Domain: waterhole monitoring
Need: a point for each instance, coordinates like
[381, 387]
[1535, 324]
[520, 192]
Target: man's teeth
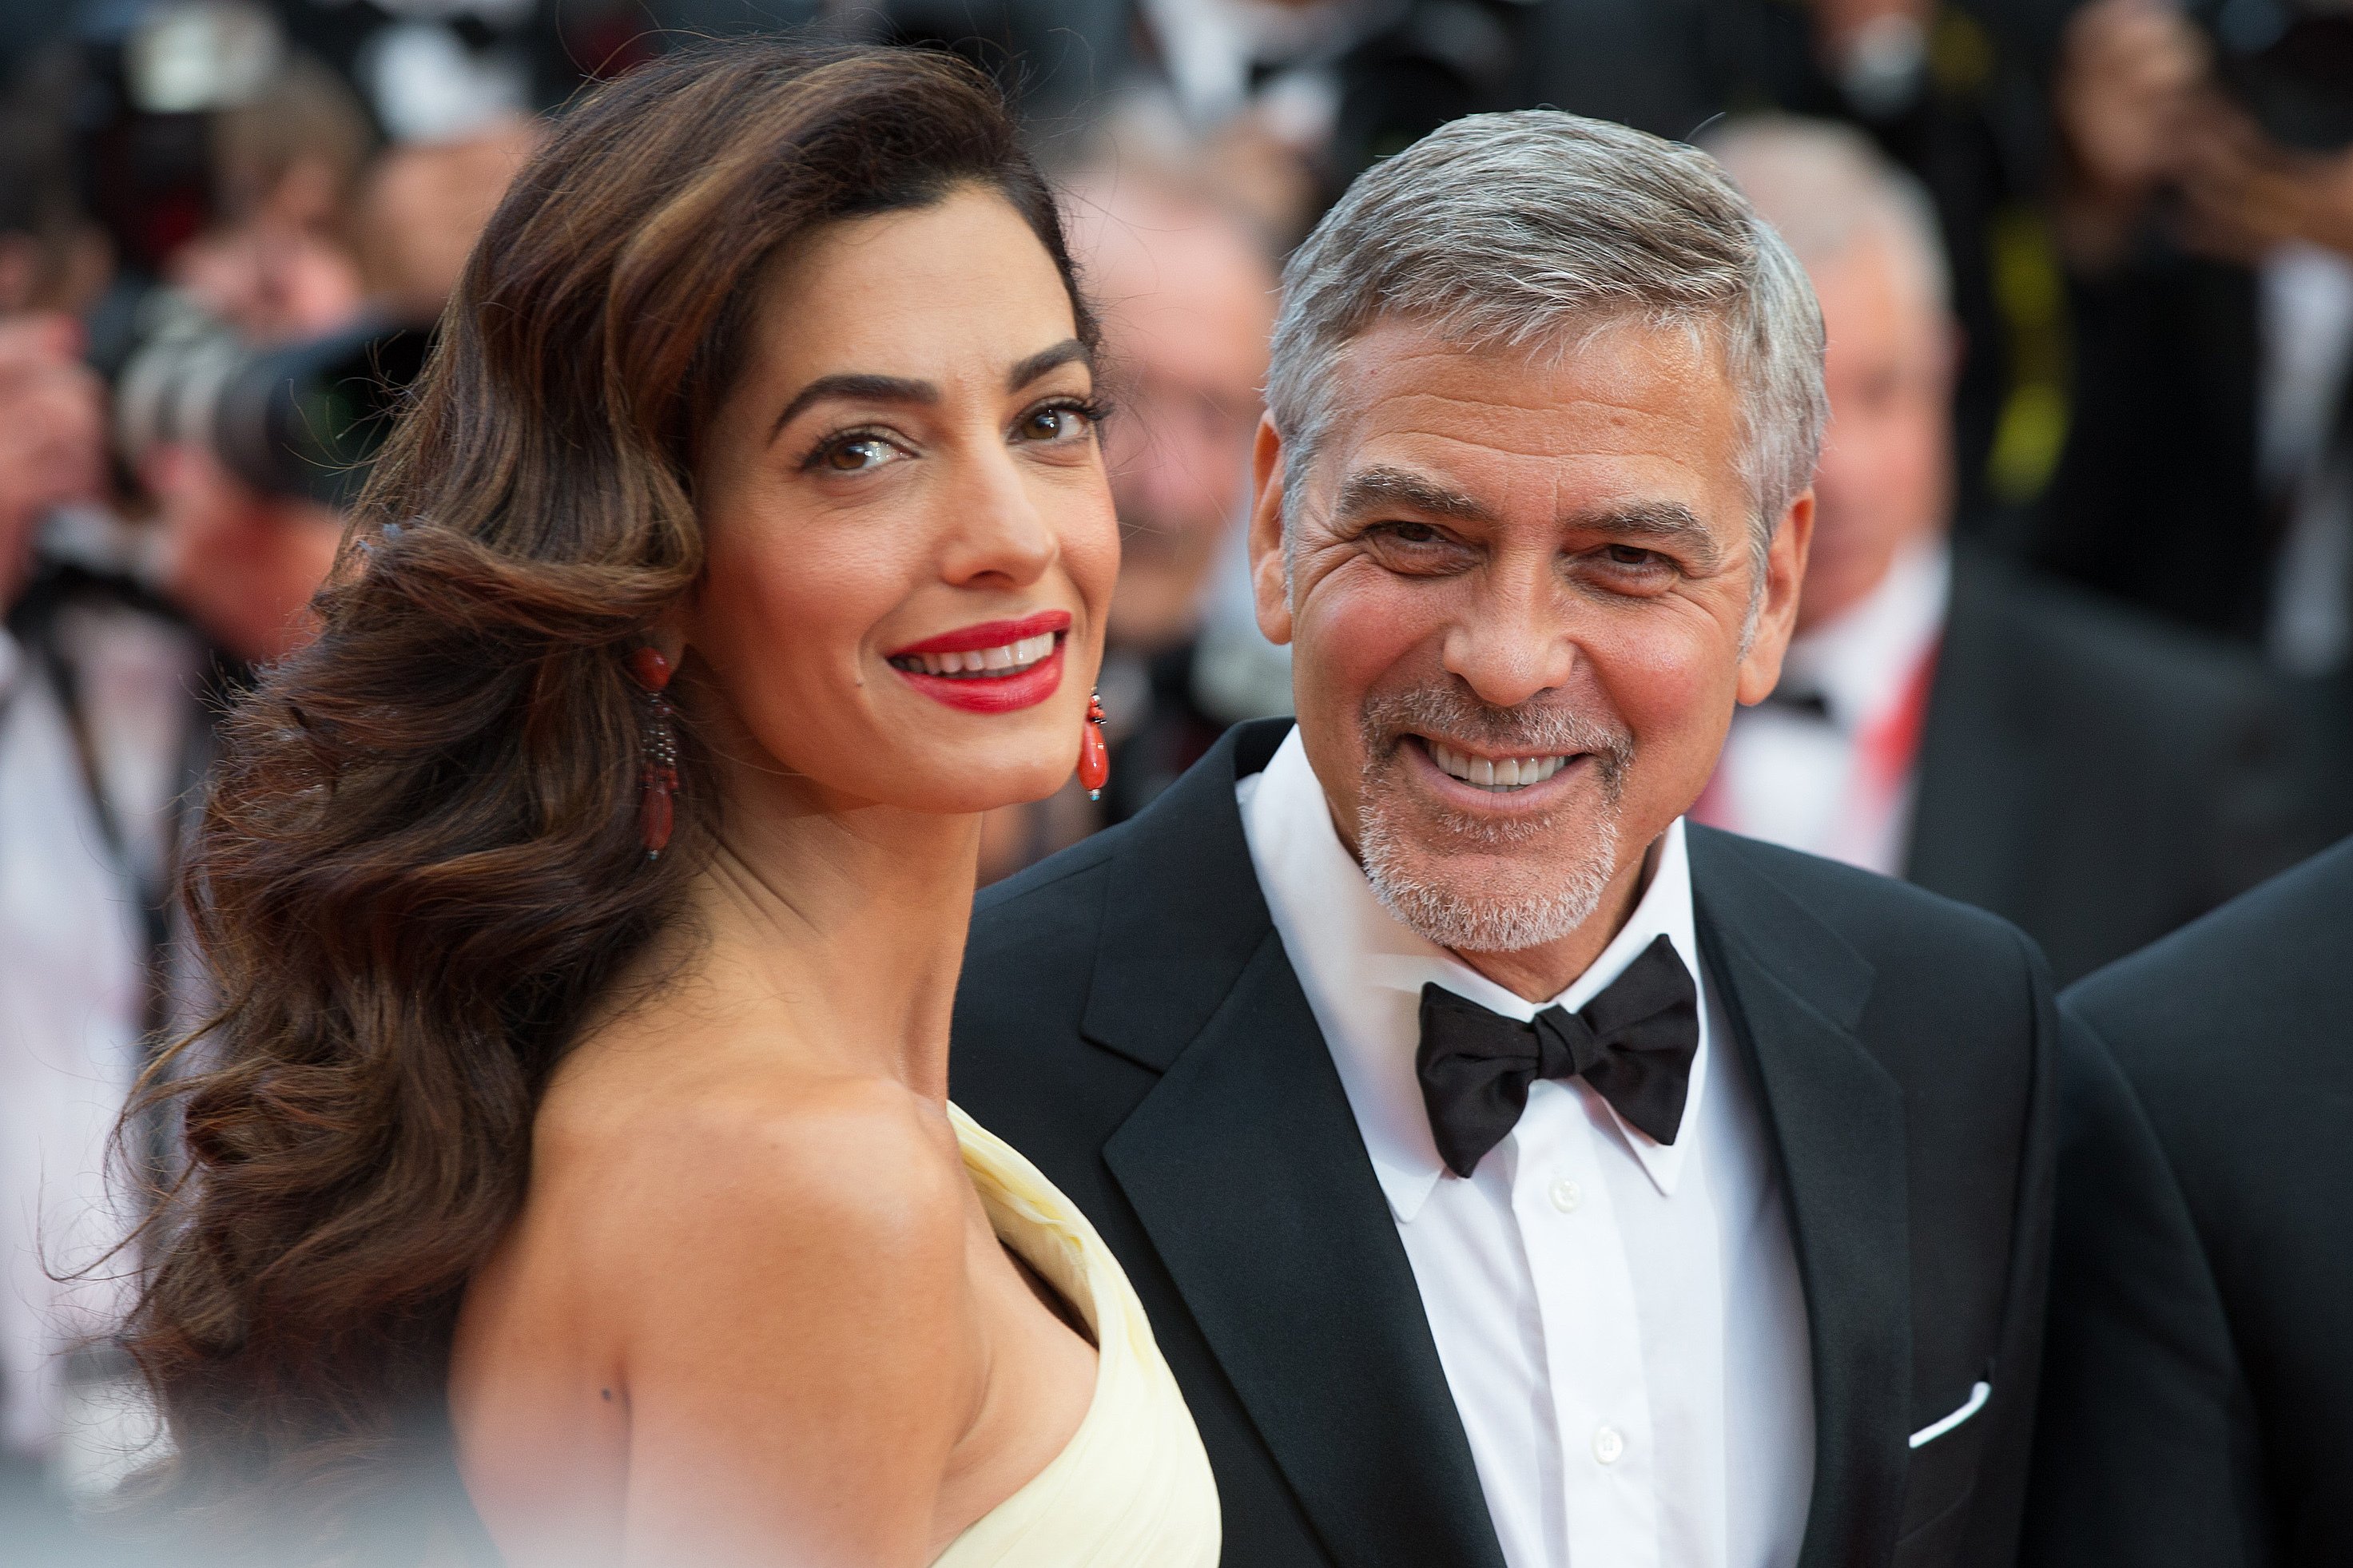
[1005, 659]
[1510, 773]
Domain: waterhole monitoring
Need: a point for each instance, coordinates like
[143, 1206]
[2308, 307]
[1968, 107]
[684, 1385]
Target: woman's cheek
[1090, 550]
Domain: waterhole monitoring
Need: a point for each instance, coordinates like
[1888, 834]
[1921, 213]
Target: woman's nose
[999, 532]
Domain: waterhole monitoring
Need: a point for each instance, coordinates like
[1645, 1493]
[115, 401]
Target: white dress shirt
[1620, 1322]
[1801, 779]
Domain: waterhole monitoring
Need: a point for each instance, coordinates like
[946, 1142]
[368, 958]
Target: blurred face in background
[1885, 479]
[423, 208]
[1187, 300]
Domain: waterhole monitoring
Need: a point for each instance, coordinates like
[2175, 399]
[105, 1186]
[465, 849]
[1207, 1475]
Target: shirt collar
[1861, 661]
[1363, 971]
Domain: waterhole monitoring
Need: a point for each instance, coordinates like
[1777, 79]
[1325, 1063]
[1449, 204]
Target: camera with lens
[300, 419]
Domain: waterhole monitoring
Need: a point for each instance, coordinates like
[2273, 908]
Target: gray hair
[1823, 186]
[1521, 229]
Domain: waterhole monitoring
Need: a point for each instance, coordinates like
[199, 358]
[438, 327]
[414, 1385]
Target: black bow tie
[1633, 1043]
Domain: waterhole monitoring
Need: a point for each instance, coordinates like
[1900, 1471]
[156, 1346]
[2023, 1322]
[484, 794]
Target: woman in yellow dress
[586, 901]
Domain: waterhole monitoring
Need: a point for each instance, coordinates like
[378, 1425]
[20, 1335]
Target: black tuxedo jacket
[2199, 1406]
[1128, 1020]
[2094, 776]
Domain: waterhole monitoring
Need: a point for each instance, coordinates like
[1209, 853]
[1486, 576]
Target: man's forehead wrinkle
[1421, 406]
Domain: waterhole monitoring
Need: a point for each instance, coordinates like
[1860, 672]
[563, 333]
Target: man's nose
[1513, 640]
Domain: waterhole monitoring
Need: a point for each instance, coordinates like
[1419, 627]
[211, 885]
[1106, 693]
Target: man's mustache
[1542, 729]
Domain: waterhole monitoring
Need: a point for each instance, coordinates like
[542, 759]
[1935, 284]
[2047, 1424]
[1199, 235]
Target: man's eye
[1414, 534]
[1631, 555]
[854, 454]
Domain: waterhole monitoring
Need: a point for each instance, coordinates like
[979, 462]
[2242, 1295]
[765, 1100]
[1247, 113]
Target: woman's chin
[968, 789]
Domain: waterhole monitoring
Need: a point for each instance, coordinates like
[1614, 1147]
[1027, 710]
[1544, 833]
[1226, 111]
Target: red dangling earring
[658, 780]
[1094, 758]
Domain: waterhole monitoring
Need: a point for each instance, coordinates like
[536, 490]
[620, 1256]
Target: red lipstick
[937, 666]
[989, 634]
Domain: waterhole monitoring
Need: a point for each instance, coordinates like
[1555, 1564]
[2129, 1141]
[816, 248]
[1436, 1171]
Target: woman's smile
[990, 667]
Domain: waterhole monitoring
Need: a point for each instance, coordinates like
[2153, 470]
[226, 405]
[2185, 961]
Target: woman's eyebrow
[857, 388]
[1044, 360]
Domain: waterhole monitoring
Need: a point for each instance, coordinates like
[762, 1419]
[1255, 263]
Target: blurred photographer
[249, 412]
[2206, 212]
[274, 296]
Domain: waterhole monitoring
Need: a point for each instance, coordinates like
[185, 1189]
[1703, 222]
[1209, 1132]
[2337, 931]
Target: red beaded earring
[1094, 758]
[657, 779]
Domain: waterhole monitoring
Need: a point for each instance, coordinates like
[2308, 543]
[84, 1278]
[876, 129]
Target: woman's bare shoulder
[741, 1145]
[764, 1272]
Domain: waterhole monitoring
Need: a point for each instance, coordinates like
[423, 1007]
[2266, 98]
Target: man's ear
[1269, 581]
[1777, 611]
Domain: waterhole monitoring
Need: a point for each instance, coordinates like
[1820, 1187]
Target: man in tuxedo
[2086, 772]
[1514, 1175]
[2197, 1406]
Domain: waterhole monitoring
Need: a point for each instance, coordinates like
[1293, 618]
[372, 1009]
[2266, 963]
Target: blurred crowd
[2077, 636]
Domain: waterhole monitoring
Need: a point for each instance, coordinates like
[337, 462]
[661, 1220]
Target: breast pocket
[1942, 1475]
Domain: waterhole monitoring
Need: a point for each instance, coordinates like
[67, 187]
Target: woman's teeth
[1005, 659]
[1510, 773]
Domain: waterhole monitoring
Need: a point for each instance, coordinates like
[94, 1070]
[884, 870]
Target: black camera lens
[305, 420]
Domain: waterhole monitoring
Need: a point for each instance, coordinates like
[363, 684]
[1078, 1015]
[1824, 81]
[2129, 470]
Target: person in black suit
[2198, 1402]
[1514, 1175]
[2094, 776]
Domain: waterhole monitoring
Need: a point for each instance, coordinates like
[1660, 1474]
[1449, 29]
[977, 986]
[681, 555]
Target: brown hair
[419, 864]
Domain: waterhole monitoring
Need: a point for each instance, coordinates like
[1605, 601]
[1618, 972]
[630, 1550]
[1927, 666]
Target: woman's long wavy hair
[419, 863]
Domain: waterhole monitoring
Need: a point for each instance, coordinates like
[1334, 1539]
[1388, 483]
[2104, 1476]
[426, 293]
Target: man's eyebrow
[1664, 522]
[1064, 352]
[1376, 489]
[859, 389]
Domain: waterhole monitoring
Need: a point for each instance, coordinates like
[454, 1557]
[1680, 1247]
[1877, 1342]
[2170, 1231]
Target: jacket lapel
[1794, 990]
[1246, 1168]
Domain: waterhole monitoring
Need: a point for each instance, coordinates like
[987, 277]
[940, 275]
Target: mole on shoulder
[605, 1392]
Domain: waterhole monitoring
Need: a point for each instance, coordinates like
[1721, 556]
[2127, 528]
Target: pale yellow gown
[1132, 1488]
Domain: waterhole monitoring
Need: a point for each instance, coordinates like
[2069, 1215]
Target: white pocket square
[1936, 1429]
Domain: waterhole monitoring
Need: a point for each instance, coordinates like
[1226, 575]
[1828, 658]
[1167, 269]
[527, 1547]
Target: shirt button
[1566, 1194]
[1608, 1446]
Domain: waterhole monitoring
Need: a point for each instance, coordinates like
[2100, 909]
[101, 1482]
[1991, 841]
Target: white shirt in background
[1620, 1322]
[2304, 296]
[1804, 779]
[72, 987]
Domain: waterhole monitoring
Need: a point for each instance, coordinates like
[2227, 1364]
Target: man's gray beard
[1479, 920]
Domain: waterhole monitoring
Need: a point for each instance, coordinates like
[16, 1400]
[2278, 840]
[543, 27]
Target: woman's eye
[856, 454]
[1055, 422]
